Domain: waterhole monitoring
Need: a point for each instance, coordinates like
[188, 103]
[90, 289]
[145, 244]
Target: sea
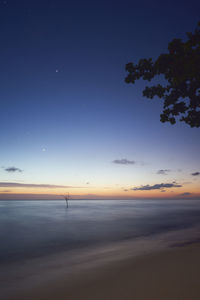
[35, 229]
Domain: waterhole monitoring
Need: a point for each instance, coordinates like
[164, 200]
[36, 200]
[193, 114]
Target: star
[43, 149]
[57, 70]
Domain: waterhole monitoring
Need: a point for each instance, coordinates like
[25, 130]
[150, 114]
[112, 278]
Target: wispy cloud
[163, 172]
[13, 170]
[123, 161]
[157, 186]
[28, 185]
[195, 174]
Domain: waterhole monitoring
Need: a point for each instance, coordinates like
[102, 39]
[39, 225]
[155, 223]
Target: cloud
[13, 196]
[157, 186]
[123, 161]
[14, 184]
[13, 169]
[185, 194]
[195, 174]
[163, 172]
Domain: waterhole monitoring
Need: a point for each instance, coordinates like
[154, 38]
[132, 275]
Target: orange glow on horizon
[87, 192]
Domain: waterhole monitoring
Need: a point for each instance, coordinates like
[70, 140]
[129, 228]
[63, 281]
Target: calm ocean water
[36, 228]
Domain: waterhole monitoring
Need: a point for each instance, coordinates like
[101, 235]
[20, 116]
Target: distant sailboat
[67, 197]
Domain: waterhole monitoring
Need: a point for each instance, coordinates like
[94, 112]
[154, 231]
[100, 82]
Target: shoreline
[132, 268]
[170, 274]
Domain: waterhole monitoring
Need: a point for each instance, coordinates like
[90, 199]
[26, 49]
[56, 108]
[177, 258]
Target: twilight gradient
[66, 114]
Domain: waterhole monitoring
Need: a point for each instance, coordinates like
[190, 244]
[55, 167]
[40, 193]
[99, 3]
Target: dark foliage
[181, 69]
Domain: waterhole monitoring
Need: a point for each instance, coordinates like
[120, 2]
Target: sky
[69, 122]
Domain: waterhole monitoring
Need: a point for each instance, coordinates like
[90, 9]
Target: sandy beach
[172, 273]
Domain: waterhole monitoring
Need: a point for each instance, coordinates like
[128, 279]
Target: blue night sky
[69, 122]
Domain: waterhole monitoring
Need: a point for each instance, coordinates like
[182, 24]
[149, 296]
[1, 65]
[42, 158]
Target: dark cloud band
[14, 184]
[157, 186]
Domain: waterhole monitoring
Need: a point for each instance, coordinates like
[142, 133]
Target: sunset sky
[69, 122]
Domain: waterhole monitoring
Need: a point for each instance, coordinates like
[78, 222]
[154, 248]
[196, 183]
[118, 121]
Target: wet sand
[173, 273]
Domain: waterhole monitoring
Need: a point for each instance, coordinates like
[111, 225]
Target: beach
[171, 273]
